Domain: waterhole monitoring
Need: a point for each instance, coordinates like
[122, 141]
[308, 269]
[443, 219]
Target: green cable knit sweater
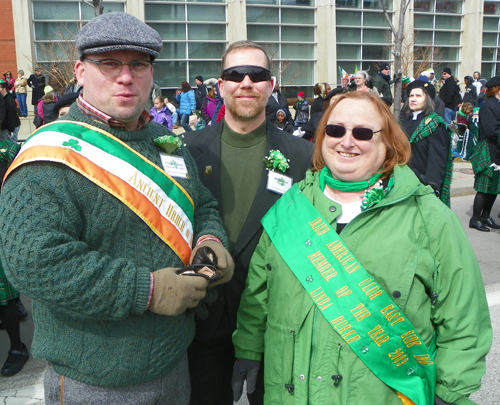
[85, 260]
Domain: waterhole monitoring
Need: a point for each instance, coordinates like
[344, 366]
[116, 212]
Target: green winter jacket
[414, 246]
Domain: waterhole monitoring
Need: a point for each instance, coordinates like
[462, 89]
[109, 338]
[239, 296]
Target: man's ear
[220, 82]
[273, 83]
[79, 72]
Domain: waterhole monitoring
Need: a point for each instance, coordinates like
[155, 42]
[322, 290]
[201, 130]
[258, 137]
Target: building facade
[309, 41]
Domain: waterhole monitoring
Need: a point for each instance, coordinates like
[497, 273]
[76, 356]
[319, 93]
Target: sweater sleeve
[460, 316]
[248, 339]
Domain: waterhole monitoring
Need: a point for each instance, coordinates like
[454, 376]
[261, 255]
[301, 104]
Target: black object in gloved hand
[244, 370]
[204, 263]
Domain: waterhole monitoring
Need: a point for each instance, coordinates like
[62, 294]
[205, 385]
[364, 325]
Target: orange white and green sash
[350, 299]
[157, 198]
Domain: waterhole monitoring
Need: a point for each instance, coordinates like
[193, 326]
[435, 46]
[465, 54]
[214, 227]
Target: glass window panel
[263, 14]
[376, 36]
[207, 1]
[173, 50]
[55, 51]
[447, 38]
[297, 16]
[88, 12]
[300, 34]
[170, 73]
[206, 13]
[449, 6]
[423, 21]
[348, 3]
[55, 31]
[445, 22]
[488, 54]
[491, 7]
[297, 51]
[262, 33]
[206, 69]
[375, 52]
[375, 20]
[376, 4]
[349, 18]
[59, 11]
[423, 37]
[348, 51]
[305, 3]
[448, 53]
[423, 5]
[170, 31]
[272, 50]
[303, 72]
[490, 24]
[165, 12]
[207, 31]
[206, 50]
[490, 39]
[275, 2]
[348, 35]
[487, 69]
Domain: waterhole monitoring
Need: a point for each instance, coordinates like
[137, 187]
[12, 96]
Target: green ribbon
[325, 177]
[351, 301]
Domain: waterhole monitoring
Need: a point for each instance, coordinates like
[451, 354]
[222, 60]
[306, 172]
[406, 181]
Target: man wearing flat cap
[450, 94]
[121, 239]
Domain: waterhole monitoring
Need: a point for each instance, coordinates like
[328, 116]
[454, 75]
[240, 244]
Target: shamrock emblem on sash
[73, 144]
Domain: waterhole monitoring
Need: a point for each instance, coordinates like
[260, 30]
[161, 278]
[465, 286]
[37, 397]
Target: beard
[245, 110]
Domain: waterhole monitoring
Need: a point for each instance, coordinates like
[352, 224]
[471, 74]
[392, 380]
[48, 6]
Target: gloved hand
[222, 259]
[244, 370]
[495, 167]
[173, 293]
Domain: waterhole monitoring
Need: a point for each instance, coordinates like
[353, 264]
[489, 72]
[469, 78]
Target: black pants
[210, 371]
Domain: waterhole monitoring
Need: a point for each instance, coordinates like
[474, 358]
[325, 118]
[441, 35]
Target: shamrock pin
[309, 279]
[73, 143]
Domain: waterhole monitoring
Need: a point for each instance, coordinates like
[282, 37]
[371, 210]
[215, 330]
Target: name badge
[174, 165]
[278, 182]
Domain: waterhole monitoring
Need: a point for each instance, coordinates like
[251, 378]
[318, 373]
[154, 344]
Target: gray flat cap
[117, 31]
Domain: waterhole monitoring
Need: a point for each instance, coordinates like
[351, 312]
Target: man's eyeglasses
[112, 67]
[361, 134]
[238, 73]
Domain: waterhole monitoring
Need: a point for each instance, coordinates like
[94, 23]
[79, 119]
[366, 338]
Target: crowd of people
[307, 256]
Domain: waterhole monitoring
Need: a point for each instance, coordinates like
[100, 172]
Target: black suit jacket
[205, 147]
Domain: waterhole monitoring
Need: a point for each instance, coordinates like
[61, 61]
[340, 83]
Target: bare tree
[96, 5]
[398, 37]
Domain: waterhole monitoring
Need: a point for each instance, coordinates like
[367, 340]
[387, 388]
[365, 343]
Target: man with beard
[232, 156]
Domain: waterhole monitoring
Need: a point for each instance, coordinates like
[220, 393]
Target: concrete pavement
[27, 386]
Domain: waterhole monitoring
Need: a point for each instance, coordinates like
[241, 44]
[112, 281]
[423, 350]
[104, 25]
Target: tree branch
[386, 14]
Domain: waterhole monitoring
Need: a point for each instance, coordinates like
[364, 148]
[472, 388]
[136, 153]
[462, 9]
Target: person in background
[45, 107]
[161, 114]
[301, 110]
[321, 90]
[7, 77]
[21, 85]
[486, 159]
[238, 160]
[277, 101]
[155, 91]
[450, 95]
[73, 86]
[430, 140]
[470, 92]
[382, 81]
[62, 106]
[355, 274]
[282, 123]
[329, 99]
[362, 82]
[434, 80]
[11, 123]
[208, 106]
[37, 82]
[187, 104]
[104, 258]
[173, 112]
[465, 114]
[476, 76]
[201, 92]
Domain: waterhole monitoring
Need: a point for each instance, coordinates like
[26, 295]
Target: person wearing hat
[486, 159]
[61, 107]
[382, 81]
[301, 110]
[45, 107]
[429, 138]
[450, 94]
[201, 92]
[37, 82]
[282, 123]
[107, 246]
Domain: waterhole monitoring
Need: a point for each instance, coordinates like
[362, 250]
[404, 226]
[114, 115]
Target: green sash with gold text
[352, 302]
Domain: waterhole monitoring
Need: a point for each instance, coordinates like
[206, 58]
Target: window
[490, 60]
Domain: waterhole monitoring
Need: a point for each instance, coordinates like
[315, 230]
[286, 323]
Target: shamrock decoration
[169, 143]
[309, 279]
[281, 181]
[376, 194]
[276, 160]
[73, 144]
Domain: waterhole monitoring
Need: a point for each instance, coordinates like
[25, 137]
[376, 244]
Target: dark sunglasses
[238, 73]
[361, 134]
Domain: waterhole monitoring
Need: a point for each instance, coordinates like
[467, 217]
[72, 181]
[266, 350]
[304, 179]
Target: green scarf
[325, 177]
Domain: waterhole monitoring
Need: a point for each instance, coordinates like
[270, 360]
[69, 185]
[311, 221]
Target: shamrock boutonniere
[276, 160]
[169, 143]
[376, 194]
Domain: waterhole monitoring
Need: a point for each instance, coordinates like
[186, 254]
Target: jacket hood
[470, 79]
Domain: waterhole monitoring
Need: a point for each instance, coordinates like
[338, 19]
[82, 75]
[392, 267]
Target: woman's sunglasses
[238, 73]
[361, 134]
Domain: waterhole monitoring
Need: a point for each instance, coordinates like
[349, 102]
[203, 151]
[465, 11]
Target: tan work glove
[222, 260]
[174, 293]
